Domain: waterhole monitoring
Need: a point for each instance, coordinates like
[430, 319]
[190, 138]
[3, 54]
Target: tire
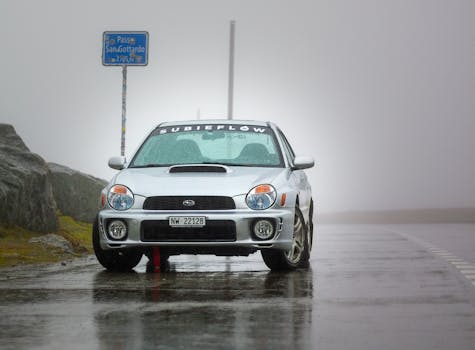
[297, 256]
[114, 259]
[308, 239]
[310, 227]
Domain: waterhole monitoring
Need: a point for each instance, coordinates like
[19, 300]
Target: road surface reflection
[179, 309]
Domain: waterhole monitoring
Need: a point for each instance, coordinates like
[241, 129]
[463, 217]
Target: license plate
[187, 221]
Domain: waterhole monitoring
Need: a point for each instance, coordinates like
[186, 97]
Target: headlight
[120, 197]
[261, 197]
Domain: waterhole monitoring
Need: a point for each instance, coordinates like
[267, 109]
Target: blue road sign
[125, 49]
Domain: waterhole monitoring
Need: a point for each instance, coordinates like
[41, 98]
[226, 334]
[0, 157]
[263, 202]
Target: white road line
[462, 263]
[463, 266]
[467, 269]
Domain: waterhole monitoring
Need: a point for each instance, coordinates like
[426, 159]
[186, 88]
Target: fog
[381, 93]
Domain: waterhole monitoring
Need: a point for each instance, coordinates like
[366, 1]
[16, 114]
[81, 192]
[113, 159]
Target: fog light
[117, 229]
[263, 229]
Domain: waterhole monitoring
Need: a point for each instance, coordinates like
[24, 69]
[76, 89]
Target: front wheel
[309, 239]
[297, 256]
[114, 259]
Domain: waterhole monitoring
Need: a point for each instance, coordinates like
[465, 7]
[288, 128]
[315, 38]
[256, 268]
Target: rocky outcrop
[31, 190]
[76, 194]
[55, 241]
[26, 193]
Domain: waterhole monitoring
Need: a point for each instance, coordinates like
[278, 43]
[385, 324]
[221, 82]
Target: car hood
[160, 182]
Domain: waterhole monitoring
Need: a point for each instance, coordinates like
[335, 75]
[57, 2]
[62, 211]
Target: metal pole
[124, 100]
[231, 70]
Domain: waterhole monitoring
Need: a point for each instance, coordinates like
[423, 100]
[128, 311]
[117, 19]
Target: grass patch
[78, 233]
[15, 247]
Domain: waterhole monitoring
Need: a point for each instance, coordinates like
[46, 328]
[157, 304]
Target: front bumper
[242, 219]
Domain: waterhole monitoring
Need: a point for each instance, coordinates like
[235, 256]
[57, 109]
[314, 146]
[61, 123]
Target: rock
[26, 194]
[54, 240]
[76, 194]
[31, 190]
[8, 136]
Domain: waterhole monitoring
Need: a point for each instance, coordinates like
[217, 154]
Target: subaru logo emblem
[188, 203]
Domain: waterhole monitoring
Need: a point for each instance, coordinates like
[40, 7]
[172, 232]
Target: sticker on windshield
[212, 127]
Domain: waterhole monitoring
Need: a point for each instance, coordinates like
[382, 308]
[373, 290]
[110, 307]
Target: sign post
[124, 109]
[124, 49]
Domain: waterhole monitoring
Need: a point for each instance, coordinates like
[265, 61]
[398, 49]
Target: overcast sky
[381, 93]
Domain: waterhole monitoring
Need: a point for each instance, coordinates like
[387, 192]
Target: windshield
[235, 145]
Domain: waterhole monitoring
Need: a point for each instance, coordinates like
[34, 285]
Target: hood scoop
[198, 168]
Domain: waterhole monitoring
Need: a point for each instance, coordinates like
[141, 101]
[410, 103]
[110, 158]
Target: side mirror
[117, 163]
[303, 162]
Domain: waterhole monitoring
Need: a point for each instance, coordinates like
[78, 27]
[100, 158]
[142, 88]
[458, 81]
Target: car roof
[214, 121]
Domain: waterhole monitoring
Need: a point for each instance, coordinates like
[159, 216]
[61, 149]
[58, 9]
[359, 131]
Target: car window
[243, 145]
[287, 148]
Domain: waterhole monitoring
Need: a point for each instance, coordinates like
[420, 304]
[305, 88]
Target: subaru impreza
[221, 187]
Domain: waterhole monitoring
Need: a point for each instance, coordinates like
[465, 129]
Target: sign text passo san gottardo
[125, 49]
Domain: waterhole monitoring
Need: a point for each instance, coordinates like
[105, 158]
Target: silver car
[222, 187]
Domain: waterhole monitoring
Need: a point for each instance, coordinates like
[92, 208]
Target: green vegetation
[15, 247]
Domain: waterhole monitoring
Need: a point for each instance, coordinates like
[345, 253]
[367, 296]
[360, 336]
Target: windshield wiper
[147, 166]
[187, 164]
[222, 163]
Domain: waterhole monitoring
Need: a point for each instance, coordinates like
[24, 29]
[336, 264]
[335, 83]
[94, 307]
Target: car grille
[214, 231]
[200, 203]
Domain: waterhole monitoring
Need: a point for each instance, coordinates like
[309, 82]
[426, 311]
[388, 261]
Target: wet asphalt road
[370, 287]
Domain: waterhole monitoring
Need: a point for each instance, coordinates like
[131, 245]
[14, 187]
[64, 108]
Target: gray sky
[381, 93]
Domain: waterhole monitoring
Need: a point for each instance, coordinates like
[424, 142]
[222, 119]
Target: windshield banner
[212, 127]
